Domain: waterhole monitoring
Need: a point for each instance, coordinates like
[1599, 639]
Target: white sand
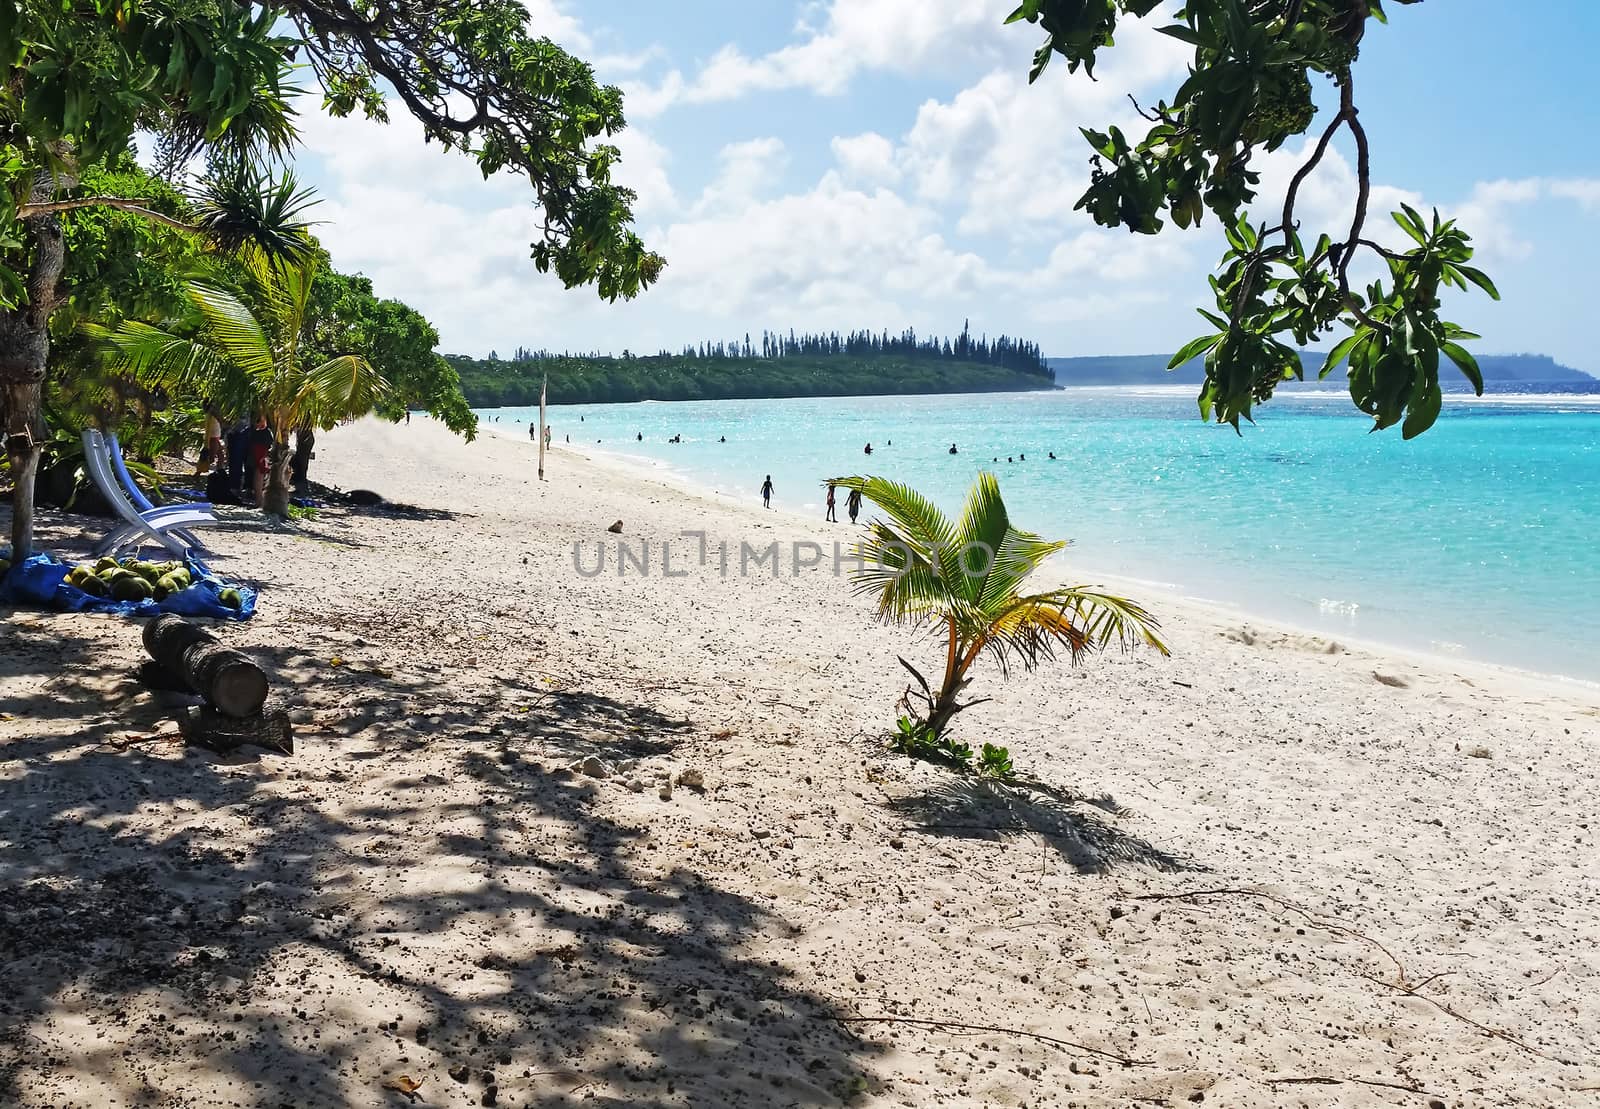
[419, 890]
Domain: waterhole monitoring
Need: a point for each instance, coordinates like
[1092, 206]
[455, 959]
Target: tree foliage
[781, 365]
[247, 358]
[396, 339]
[478, 82]
[1277, 289]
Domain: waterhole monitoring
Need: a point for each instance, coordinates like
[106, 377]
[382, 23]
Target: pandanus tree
[965, 581]
[245, 357]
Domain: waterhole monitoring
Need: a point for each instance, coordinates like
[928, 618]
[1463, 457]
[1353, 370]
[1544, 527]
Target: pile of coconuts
[135, 580]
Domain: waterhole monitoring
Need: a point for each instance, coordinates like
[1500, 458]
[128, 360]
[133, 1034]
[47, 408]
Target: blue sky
[883, 163]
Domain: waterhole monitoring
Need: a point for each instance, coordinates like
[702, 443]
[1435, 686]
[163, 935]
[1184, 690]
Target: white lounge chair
[166, 526]
[135, 494]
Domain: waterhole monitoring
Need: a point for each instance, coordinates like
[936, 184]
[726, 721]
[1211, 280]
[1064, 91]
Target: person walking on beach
[533, 432]
[852, 503]
[831, 516]
[766, 492]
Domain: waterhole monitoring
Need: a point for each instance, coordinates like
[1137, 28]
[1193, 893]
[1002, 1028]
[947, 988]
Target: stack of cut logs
[232, 688]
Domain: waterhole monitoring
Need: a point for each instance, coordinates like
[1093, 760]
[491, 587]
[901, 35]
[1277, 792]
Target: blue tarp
[42, 581]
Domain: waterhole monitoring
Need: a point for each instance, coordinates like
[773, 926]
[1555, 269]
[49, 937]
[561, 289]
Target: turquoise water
[1476, 540]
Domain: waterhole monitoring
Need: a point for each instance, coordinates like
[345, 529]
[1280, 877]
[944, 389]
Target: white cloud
[746, 171]
[904, 36]
[548, 19]
[1586, 191]
[867, 158]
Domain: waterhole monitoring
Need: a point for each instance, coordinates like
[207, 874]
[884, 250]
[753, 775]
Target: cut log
[228, 681]
[206, 727]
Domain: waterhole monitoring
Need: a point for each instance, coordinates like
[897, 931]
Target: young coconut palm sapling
[964, 580]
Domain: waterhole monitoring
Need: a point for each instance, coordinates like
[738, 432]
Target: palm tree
[244, 361]
[964, 579]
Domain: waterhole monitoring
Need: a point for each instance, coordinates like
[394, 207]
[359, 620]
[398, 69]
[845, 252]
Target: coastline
[1218, 613]
[635, 838]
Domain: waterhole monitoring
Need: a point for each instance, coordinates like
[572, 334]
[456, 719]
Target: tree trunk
[227, 680]
[208, 728]
[24, 359]
[305, 441]
[277, 498]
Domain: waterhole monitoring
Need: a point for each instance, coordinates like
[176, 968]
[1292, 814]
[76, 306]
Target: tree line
[855, 363]
[1008, 353]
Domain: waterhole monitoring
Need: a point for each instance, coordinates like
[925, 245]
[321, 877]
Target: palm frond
[158, 359]
[230, 326]
[339, 388]
[1019, 554]
[1107, 618]
[895, 569]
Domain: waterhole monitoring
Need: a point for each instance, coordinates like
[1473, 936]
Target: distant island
[1151, 369]
[864, 363]
[832, 364]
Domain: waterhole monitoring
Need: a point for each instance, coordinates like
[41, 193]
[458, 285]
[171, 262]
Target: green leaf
[1422, 415]
[1338, 354]
[1480, 279]
[1189, 35]
[1193, 349]
[1466, 363]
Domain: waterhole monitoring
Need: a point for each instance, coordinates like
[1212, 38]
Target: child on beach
[766, 492]
[831, 517]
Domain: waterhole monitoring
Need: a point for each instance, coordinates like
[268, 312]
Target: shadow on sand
[275, 940]
[1080, 828]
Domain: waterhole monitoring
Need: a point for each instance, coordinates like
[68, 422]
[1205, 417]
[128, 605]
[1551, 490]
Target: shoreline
[1212, 611]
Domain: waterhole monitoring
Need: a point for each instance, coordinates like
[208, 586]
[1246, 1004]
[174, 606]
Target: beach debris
[405, 1084]
[692, 779]
[1479, 753]
[616, 528]
[635, 785]
[666, 790]
[1391, 680]
[363, 498]
[189, 654]
[594, 766]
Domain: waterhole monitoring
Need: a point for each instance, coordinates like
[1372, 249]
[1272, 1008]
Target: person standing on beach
[853, 504]
[766, 492]
[260, 458]
[533, 432]
[869, 448]
[832, 516]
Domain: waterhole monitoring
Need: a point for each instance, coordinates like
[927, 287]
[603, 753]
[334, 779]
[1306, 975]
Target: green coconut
[131, 588]
[105, 564]
[231, 597]
[149, 571]
[169, 584]
[181, 575]
[94, 586]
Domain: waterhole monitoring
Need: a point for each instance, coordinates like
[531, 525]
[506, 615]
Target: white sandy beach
[1404, 845]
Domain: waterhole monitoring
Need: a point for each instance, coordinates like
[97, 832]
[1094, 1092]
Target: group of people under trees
[238, 461]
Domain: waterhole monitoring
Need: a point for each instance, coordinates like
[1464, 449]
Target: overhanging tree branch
[122, 204]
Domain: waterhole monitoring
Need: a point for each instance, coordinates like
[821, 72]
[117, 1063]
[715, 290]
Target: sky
[842, 164]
